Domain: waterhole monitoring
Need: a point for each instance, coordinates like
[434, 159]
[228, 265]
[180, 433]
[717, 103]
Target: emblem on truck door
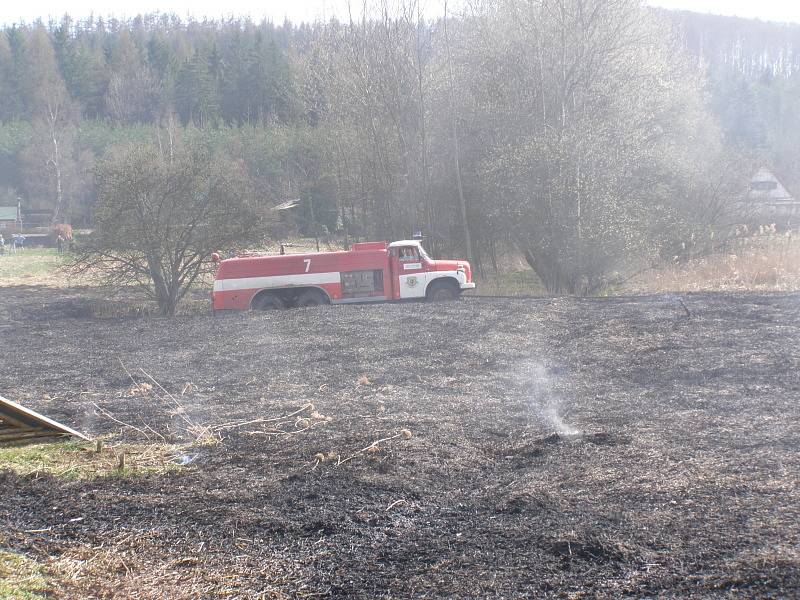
[411, 282]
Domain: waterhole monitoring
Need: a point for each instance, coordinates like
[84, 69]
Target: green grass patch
[52, 457]
[81, 460]
[21, 578]
[30, 264]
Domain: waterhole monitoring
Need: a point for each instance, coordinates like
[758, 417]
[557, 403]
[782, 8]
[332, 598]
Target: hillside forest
[585, 135]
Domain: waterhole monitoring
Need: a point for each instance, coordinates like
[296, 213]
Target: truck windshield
[423, 254]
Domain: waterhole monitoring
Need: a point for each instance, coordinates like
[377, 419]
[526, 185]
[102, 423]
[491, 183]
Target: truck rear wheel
[443, 291]
[268, 301]
[312, 298]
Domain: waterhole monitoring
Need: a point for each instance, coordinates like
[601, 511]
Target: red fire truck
[368, 272]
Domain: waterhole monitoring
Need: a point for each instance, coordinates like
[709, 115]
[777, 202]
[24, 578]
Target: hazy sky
[309, 10]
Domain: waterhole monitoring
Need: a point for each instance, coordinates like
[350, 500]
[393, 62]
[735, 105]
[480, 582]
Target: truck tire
[443, 291]
[311, 298]
[267, 301]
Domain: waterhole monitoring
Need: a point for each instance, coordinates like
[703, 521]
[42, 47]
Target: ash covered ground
[562, 448]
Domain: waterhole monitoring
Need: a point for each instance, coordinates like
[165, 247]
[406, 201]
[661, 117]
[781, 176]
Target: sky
[311, 10]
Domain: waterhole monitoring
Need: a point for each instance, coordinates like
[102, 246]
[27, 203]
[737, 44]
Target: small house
[768, 201]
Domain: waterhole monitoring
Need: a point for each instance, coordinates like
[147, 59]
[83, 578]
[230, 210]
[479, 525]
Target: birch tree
[53, 114]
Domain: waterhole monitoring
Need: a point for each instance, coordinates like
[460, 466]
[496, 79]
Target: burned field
[563, 448]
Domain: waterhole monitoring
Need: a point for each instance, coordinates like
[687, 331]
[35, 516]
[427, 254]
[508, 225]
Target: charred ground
[684, 481]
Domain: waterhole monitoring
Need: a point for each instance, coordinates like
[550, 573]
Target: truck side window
[409, 254]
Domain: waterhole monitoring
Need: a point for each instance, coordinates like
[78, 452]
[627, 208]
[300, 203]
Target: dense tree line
[583, 133]
[139, 71]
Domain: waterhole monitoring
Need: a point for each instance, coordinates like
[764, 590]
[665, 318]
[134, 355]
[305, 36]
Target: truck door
[408, 272]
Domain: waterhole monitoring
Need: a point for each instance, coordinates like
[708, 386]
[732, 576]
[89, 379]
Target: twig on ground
[180, 406]
[396, 503]
[279, 431]
[205, 434]
[235, 425]
[404, 433]
[124, 368]
[117, 421]
[146, 426]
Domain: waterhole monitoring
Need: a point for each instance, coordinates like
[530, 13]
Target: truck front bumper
[468, 286]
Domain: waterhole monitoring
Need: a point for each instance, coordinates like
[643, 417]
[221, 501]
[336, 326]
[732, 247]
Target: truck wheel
[268, 302]
[443, 291]
[312, 298]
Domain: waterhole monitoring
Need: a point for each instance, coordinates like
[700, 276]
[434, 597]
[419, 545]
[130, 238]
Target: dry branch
[404, 433]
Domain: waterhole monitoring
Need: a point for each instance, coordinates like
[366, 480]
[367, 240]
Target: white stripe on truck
[275, 281]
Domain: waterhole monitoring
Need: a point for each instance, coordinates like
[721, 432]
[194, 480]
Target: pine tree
[195, 93]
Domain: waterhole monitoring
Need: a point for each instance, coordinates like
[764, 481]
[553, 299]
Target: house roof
[8, 213]
[764, 186]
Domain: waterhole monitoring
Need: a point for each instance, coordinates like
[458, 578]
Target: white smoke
[546, 404]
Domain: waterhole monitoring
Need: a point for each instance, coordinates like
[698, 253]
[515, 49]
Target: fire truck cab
[368, 272]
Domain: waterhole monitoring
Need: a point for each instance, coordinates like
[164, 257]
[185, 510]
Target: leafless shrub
[160, 215]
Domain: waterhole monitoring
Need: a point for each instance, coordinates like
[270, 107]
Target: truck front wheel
[443, 291]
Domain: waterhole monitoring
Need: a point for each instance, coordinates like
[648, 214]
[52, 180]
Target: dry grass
[762, 263]
[131, 568]
[136, 566]
[767, 263]
[513, 283]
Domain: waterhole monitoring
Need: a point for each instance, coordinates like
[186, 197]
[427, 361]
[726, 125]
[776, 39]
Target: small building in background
[36, 219]
[9, 219]
[768, 201]
[34, 224]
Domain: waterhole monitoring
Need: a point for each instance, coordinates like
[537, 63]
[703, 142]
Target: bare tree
[159, 216]
[374, 73]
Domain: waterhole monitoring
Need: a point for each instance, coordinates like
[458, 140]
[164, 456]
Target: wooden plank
[9, 418]
[29, 436]
[36, 439]
[17, 414]
[23, 434]
[18, 431]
